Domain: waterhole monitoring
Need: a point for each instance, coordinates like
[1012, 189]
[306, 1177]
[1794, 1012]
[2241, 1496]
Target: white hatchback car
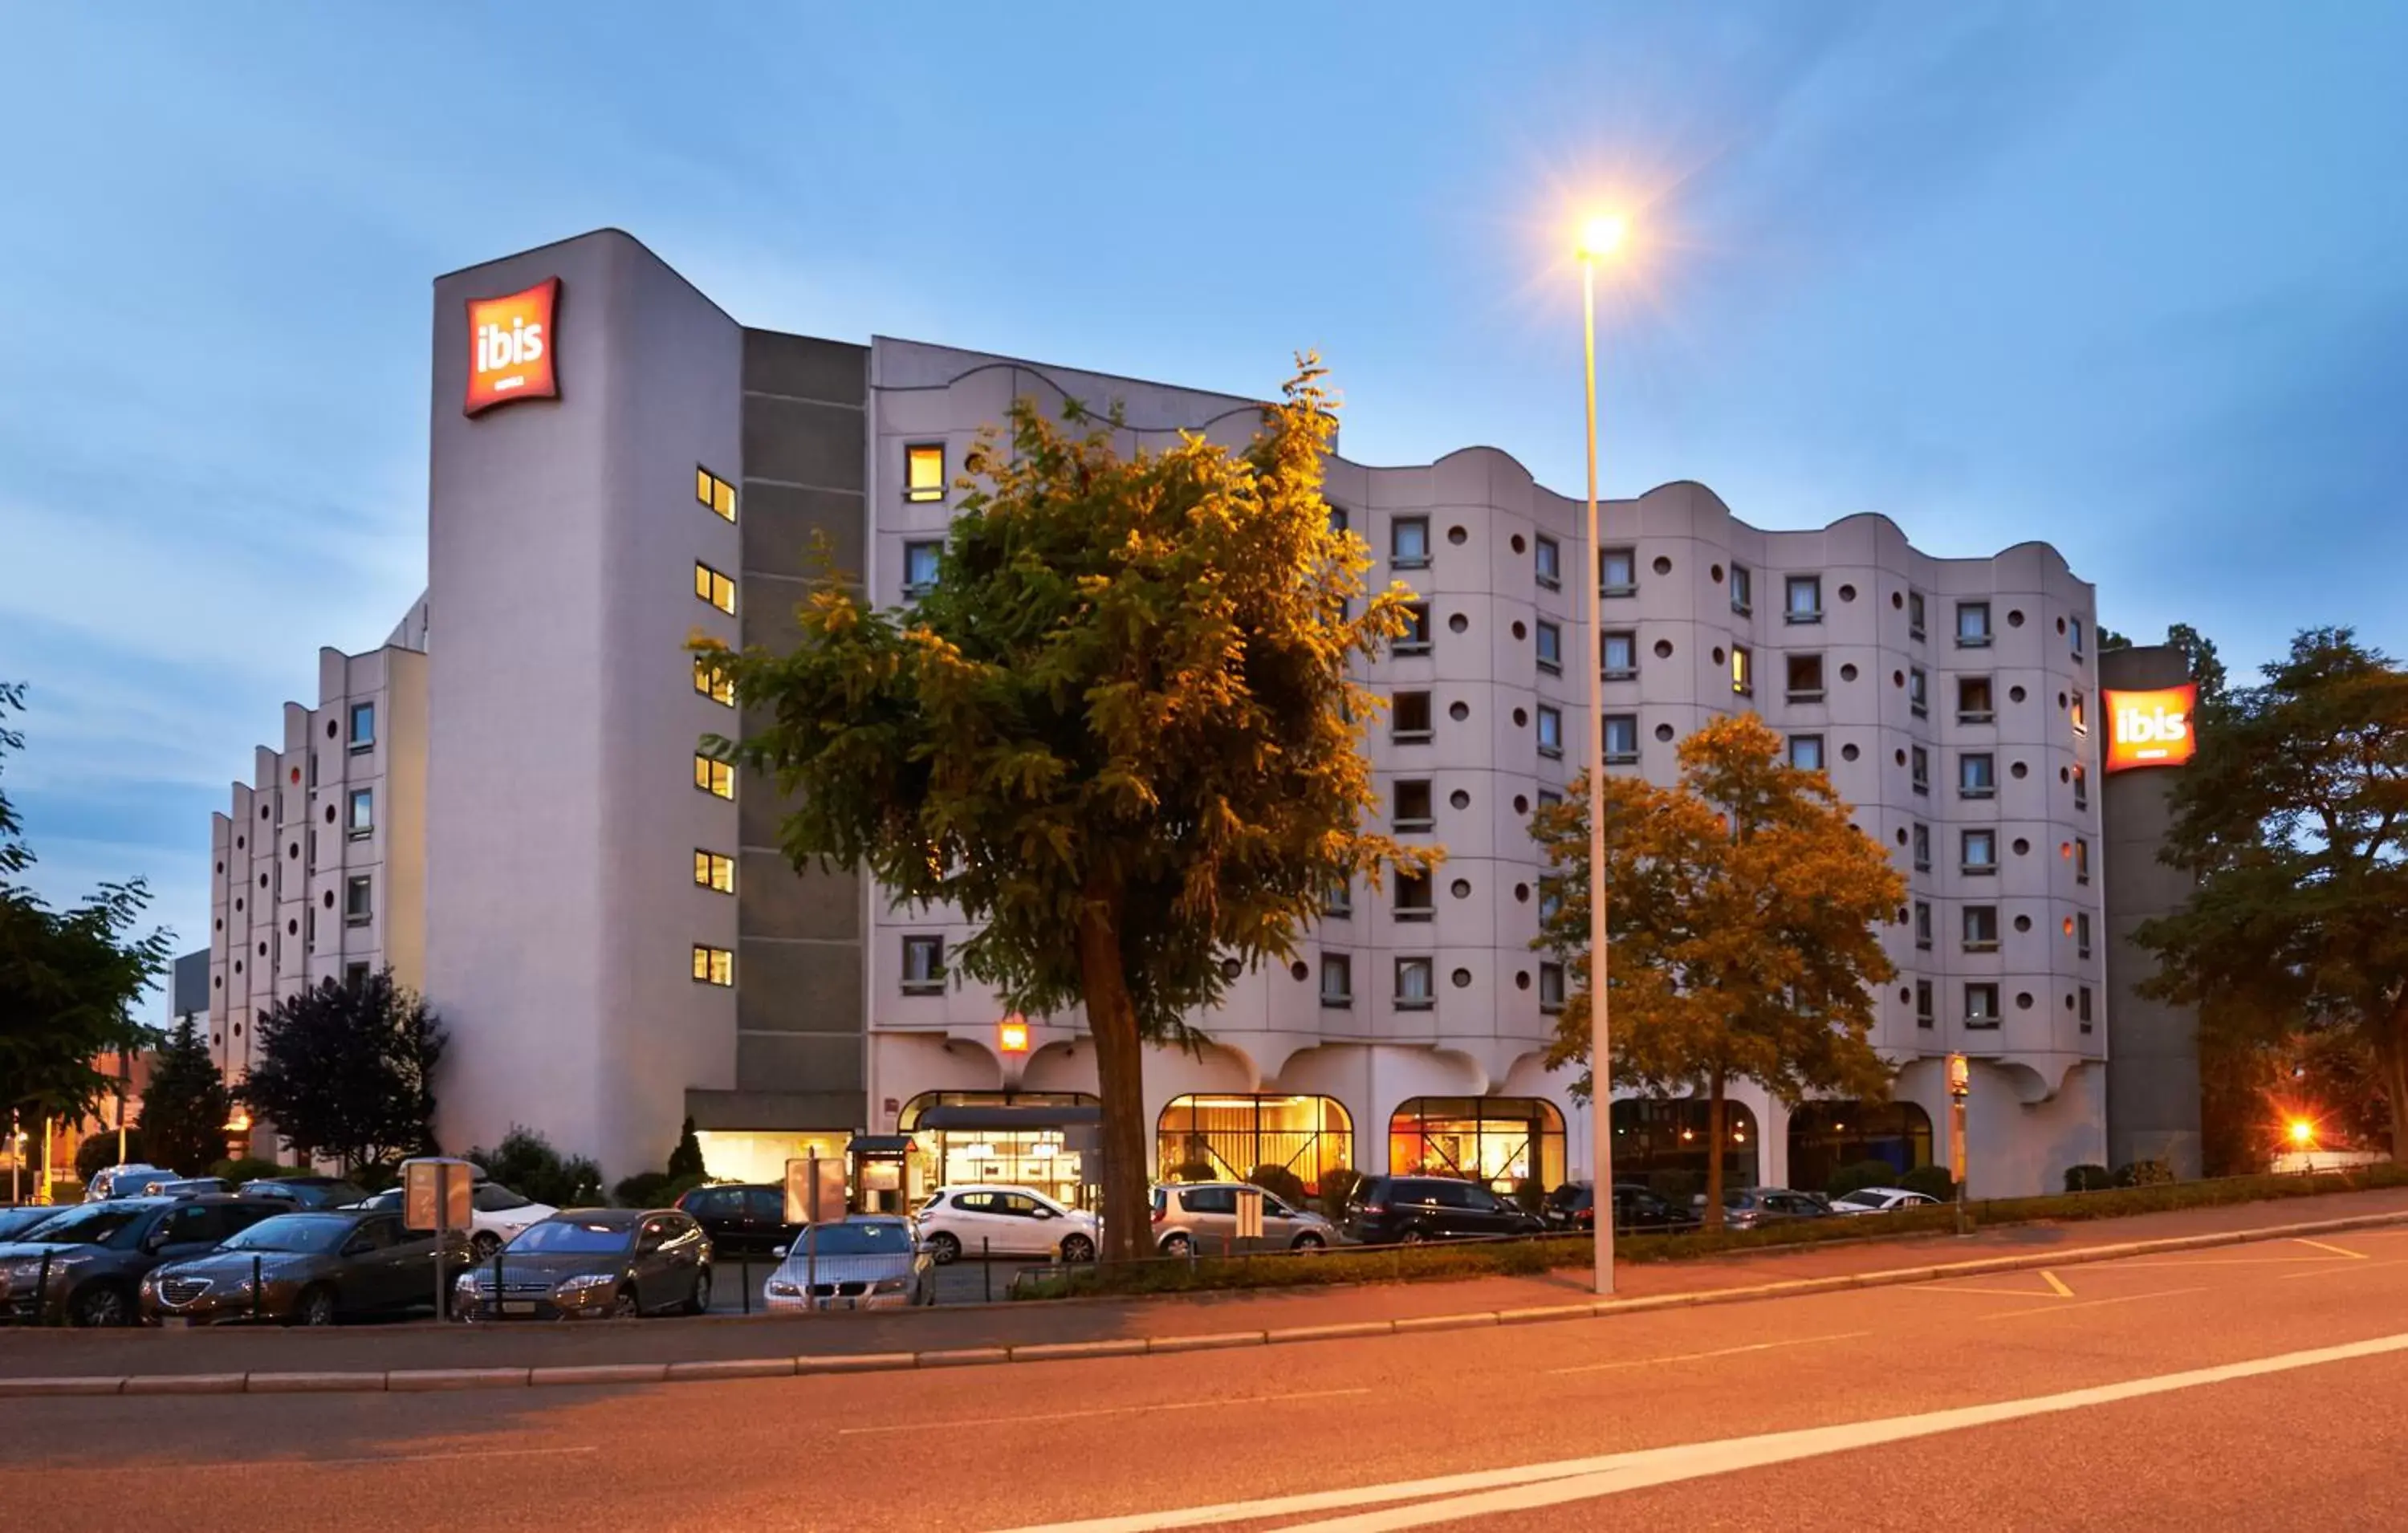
[1880, 1201]
[998, 1221]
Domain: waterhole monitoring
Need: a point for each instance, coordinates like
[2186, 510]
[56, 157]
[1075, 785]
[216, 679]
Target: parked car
[742, 1217]
[134, 1179]
[1637, 1210]
[1004, 1221]
[193, 1187]
[99, 1252]
[1204, 1215]
[1408, 1210]
[496, 1216]
[19, 1218]
[314, 1267]
[305, 1192]
[867, 1261]
[1746, 1208]
[593, 1263]
[1880, 1201]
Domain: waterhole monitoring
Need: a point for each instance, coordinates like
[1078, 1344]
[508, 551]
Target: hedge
[1482, 1258]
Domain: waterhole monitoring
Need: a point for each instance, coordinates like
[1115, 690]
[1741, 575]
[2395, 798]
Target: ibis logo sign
[2150, 728]
[513, 345]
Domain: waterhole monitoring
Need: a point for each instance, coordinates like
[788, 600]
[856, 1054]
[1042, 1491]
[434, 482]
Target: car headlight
[890, 1286]
[584, 1286]
[784, 1290]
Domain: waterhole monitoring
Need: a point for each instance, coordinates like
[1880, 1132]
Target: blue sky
[2132, 280]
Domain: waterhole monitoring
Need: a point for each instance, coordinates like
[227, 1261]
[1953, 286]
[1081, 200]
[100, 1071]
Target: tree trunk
[1714, 1151]
[1120, 1075]
[2392, 1059]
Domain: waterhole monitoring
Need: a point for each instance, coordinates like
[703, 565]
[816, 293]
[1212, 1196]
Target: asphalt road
[2194, 1391]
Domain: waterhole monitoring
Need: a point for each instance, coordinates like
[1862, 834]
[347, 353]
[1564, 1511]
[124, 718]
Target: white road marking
[1494, 1492]
[1718, 1352]
[1103, 1411]
[2328, 1269]
[2059, 1309]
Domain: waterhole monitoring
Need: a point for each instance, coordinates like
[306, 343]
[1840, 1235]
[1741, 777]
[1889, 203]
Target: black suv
[1636, 1209]
[741, 1217]
[1411, 1208]
[98, 1253]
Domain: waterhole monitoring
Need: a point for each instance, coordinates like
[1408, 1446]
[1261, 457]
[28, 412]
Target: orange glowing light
[1011, 1035]
[2303, 1133]
[512, 347]
[2151, 728]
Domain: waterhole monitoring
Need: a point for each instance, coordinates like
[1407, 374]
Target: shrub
[1280, 1183]
[1192, 1170]
[248, 1169]
[654, 1189]
[1337, 1184]
[98, 1152]
[2145, 1173]
[1529, 1196]
[526, 1163]
[2087, 1179]
[1863, 1174]
[1930, 1181]
[686, 1159]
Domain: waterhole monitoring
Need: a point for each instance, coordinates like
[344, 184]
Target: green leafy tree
[686, 1159]
[348, 1070]
[185, 1108]
[1743, 913]
[2293, 816]
[526, 1163]
[1120, 734]
[69, 980]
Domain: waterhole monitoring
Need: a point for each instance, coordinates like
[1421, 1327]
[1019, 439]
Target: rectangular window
[924, 965]
[2074, 632]
[1918, 691]
[714, 872]
[1975, 778]
[1408, 543]
[1620, 739]
[2082, 994]
[1742, 672]
[2081, 720]
[713, 965]
[1414, 896]
[1806, 752]
[1972, 624]
[1923, 1003]
[2082, 935]
[1923, 923]
[1981, 929]
[359, 900]
[1974, 702]
[1742, 590]
[713, 682]
[1338, 519]
[2081, 860]
[1410, 720]
[2081, 788]
[1337, 979]
[1919, 769]
[715, 492]
[363, 816]
[354, 977]
[1981, 1006]
[1915, 614]
[1805, 677]
[924, 471]
[1550, 643]
[1414, 992]
[1923, 849]
[1618, 657]
[1551, 730]
[715, 777]
[363, 725]
[1981, 852]
[714, 588]
[1338, 902]
[1617, 572]
[920, 562]
[1412, 807]
[1547, 563]
[1416, 639]
[1551, 987]
[1804, 598]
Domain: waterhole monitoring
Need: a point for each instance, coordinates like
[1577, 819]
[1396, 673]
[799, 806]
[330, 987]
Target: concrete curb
[1043, 1352]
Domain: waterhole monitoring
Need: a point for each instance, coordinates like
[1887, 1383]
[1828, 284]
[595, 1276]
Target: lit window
[1806, 752]
[1805, 598]
[1975, 778]
[362, 818]
[1981, 1006]
[1550, 643]
[1551, 987]
[1742, 590]
[1972, 624]
[1981, 852]
[924, 471]
[1919, 769]
[1922, 923]
[1617, 571]
[1915, 614]
[713, 682]
[1619, 657]
[1742, 672]
[714, 588]
[1412, 807]
[1918, 691]
[1414, 992]
[1805, 677]
[1414, 896]
[1408, 543]
[715, 492]
[1923, 849]
[715, 777]
[359, 900]
[920, 562]
[1981, 929]
[1547, 563]
[1620, 739]
[1337, 979]
[363, 725]
[1410, 720]
[1923, 1003]
[924, 965]
[1551, 731]
[713, 965]
[1416, 637]
[714, 872]
[2080, 722]
[1973, 701]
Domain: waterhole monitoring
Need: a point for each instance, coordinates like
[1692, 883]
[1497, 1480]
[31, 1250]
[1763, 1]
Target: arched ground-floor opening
[1662, 1143]
[1824, 1137]
[1019, 1138]
[1226, 1137]
[1515, 1144]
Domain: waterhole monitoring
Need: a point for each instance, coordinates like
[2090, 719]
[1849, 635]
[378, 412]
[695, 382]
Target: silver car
[1749, 1208]
[864, 1262]
[1202, 1217]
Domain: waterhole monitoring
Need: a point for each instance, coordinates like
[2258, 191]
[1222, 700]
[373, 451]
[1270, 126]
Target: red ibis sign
[2150, 728]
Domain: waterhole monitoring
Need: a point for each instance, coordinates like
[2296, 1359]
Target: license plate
[518, 1306]
[176, 1323]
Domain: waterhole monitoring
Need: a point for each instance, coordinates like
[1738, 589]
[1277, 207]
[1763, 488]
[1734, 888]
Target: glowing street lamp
[2303, 1133]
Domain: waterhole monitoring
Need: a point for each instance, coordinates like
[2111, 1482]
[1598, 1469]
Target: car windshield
[88, 1225]
[1858, 1200]
[854, 1241]
[294, 1232]
[572, 1237]
[492, 1197]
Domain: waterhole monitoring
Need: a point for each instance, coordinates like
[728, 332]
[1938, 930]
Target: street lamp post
[1600, 238]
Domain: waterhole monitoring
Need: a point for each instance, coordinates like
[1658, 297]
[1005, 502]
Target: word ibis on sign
[2151, 728]
[511, 346]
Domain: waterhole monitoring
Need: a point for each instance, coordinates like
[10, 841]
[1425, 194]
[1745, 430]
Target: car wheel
[946, 1247]
[700, 1301]
[1078, 1249]
[1414, 1235]
[627, 1306]
[102, 1304]
[483, 1244]
[316, 1307]
[1310, 1241]
[1177, 1245]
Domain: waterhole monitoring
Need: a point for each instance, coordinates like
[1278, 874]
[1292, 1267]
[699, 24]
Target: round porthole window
[1460, 888]
[1520, 717]
[1663, 565]
[2022, 847]
[1522, 895]
[1459, 800]
[2015, 695]
[1664, 732]
[1715, 572]
[1848, 672]
[1457, 536]
[1458, 711]
[1663, 649]
[1462, 978]
[1848, 753]
[1520, 632]
[2015, 618]
[1231, 969]
[1299, 970]
[1517, 545]
[1522, 979]
[2023, 1000]
[1847, 593]
[2017, 769]
[1897, 600]
[1521, 804]
[1457, 624]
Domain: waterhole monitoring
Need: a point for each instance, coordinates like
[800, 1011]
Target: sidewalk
[977, 1332]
